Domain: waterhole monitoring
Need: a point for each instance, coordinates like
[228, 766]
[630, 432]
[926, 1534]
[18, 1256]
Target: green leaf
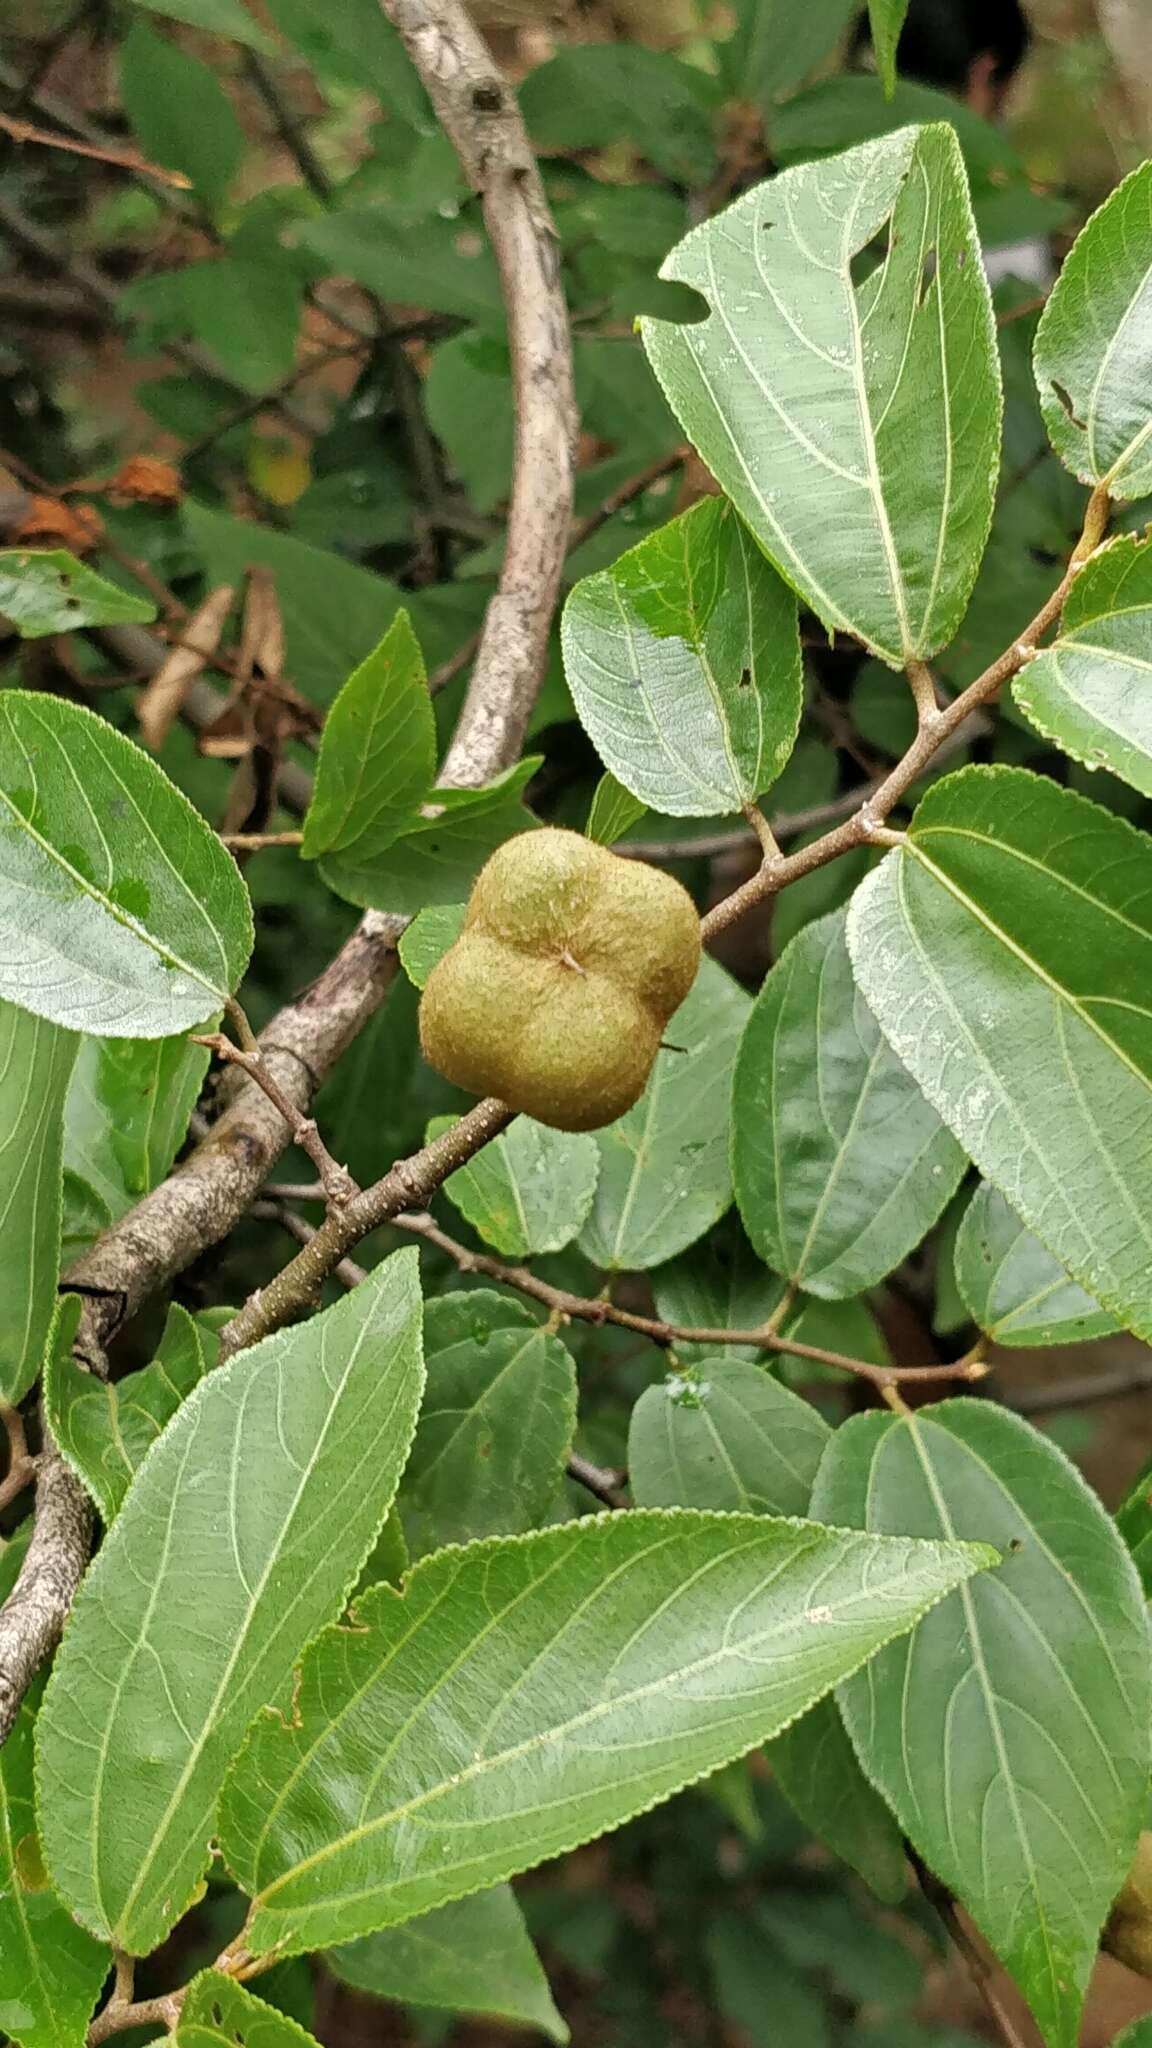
[104, 1427]
[180, 113]
[1012, 1287]
[244, 1530]
[219, 2013]
[510, 1722]
[1138, 2035]
[1006, 949]
[245, 310]
[428, 938]
[885, 20]
[816, 1768]
[726, 1435]
[776, 43]
[472, 1956]
[613, 810]
[354, 45]
[855, 427]
[36, 1060]
[422, 264]
[496, 1426]
[718, 1285]
[471, 411]
[1134, 1521]
[50, 1970]
[592, 95]
[664, 1172]
[683, 660]
[119, 908]
[530, 1190]
[840, 1165]
[46, 590]
[221, 17]
[764, 1998]
[435, 860]
[333, 611]
[1088, 690]
[125, 1119]
[1093, 352]
[377, 754]
[1009, 1733]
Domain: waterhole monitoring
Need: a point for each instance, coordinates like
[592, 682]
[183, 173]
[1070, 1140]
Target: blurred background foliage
[281, 377]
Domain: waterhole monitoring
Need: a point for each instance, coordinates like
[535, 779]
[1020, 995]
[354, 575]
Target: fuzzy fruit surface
[1128, 1934]
[556, 994]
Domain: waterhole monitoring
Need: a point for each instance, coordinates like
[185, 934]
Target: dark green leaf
[221, 17]
[1093, 354]
[1006, 949]
[725, 1435]
[510, 1723]
[530, 1190]
[496, 1426]
[180, 112]
[50, 1970]
[245, 311]
[473, 1956]
[431, 264]
[356, 46]
[468, 396]
[816, 1768]
[684, 665]
[119, 908]
[1088, 690]
[1009, 1732]
[664, 1172]
[377, 755]
[36, 1061]
[593, 95]
[126, 1117]
[219, 2013]
[767, 2001]
[1012, 1287]
[716, 1286]
[243, 1532]
[776, 43]
[105, 1427]
[832, 412]
[613, 810]
[46, 590]
[886, 19]
[1134, 1521]
[839, 1163]
[435, 860]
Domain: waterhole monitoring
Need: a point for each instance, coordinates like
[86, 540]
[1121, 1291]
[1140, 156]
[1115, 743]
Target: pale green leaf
[683, 660]
[120, 911]
[428, 938]
[222, 17]
[377, 754]
[496, 1426]
[242, 1533]
[886, 19]
[717, 1285]
[1089, 690]
[530, 1190]
[46, 590]
[816, 1768]
[1093, 351]
[435, 860]
[180, 112]
[124, 1122]
[839, 1163]
[855, 426]
[509, 1725]
[1012, 1287]
[472, 1956]
[1009, 1732]
[104, 1427]
[1006, 949]
[664, 1172]
[50, 1969]
[36, 1060]
[726, 1435]
[219, 2013]
[612, 811]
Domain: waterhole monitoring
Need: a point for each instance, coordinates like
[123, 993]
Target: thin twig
[979, 1966]
[126, 159]
[338, 1184]
[626, 494]
[118, 2015]
[255, 842]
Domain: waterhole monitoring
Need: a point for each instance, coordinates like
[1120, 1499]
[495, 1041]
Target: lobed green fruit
[556, 994]
[1128, 1935]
